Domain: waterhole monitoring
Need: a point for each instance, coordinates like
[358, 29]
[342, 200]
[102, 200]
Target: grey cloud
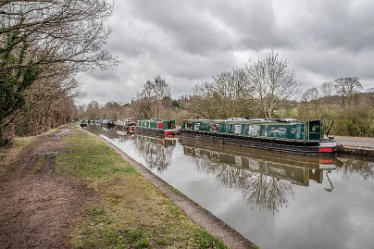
[188, 42]
[214, 25]
[331, 24]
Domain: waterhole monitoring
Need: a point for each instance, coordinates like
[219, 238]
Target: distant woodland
[265, 88]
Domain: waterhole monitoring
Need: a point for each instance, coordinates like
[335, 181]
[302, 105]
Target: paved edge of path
[194, 211]
[358, 147]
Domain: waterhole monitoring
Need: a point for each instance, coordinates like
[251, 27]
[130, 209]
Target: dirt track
[38, 206]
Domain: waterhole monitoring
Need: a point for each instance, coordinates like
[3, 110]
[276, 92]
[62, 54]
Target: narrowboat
[84, 123]
[156, 127]
[284, 135]
[108, 123]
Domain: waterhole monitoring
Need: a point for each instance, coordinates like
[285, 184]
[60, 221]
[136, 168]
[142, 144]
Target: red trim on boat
[326, 149]
[326, 161]
[169, 133]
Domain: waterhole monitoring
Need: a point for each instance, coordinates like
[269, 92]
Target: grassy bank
[9, 155]
[132, 213]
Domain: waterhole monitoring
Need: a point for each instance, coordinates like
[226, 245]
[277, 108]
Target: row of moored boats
[283, 135]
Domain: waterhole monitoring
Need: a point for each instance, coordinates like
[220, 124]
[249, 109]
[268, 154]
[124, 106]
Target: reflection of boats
[156, 150]
[288, 135]
[164, 142]
[296, 169]
[156, 127]
[265, 179]
[126, 125]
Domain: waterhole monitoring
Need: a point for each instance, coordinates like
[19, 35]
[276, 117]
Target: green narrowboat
[156, 127]
[287, 135]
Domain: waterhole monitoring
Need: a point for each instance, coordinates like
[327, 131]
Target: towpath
[359, 142]
[355, 146]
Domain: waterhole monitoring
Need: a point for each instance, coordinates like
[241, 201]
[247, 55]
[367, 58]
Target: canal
[275, 200]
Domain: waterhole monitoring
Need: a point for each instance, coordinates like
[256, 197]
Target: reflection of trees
[258, 189]
[267, 192]
[365, 169]
[157, 152]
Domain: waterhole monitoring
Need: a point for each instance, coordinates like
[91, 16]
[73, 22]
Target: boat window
[253, 130]
[244, 129]
[215, 127]
[315, 130]
[189, 126]
[228, 128]
[238, 129]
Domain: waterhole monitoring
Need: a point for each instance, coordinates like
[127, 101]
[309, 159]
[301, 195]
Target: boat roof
[246, 121]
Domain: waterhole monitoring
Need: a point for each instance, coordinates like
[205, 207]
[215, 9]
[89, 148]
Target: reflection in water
[264, 180]
[332, 199]
[328, 178]
[157, 151]
[365, 169]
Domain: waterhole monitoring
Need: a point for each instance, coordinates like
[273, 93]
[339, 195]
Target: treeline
[343, 105]
[43, 45]
[265, 88]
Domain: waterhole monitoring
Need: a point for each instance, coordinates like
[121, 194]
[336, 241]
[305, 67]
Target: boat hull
[157, 132]
[309, 148]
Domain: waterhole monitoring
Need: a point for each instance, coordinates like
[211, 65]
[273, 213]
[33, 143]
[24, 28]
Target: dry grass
[9, 155]
[133, 213]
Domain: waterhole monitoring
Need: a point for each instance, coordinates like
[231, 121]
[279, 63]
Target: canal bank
[355, 147]
[68, 189]
[194, 211]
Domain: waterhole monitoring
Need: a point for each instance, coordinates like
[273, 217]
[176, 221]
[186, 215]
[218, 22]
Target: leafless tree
[347, 89]
[227, 95]
[326, 90]
[310, 94]
[151, 100]
[38, 35]
[272, 81]
[161, 91]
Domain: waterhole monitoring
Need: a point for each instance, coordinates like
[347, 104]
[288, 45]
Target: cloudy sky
[188, 42]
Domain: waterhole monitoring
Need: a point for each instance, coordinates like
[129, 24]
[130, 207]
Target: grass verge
[9, 155]
[133, 213]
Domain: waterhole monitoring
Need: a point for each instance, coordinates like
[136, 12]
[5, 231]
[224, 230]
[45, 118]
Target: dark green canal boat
[156, 127]
[285, 135]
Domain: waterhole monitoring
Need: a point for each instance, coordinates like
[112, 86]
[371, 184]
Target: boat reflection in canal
[157, 151]
[264, 179]
[275, 200]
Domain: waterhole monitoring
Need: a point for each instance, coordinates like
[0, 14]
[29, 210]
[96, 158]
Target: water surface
[274, 200]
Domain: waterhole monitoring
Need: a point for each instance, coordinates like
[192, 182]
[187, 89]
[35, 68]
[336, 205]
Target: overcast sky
[188, 42]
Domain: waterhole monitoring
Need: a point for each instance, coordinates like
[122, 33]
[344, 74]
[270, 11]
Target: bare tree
[310, 94]
[161, 91]
[327, 90]
[37, 34]
[93, 110]
[347, 89]
[272, 82]
[150, 101]
[49, 102]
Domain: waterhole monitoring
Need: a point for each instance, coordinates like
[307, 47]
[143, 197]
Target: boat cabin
[281, 129]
